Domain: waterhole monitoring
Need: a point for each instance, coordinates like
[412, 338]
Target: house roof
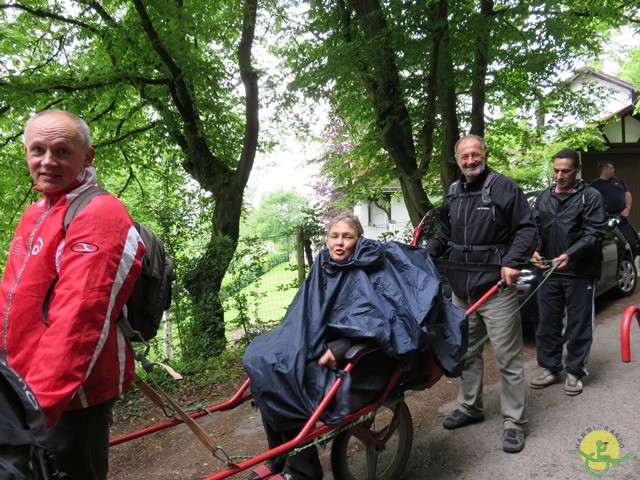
[584, 71]
[628, 110]
[605, 77]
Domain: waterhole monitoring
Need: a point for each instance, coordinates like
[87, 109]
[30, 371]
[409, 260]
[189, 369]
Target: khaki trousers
[498, 318]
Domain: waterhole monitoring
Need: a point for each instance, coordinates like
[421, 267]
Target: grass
[267, 302]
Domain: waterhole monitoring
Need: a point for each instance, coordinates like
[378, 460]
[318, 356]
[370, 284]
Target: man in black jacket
[487, 227]
[617, 201]
[571, 223]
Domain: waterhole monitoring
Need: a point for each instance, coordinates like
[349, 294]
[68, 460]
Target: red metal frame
[484, 298]
[625, 330]
[239, 398]
[310, 431]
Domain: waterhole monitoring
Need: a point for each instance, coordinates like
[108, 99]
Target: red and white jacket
[76, 357]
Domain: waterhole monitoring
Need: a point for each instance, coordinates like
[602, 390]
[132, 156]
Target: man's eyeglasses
[468, 156]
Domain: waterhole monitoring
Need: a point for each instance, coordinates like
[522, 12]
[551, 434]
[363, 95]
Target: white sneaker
[546, 378]
[572, 385]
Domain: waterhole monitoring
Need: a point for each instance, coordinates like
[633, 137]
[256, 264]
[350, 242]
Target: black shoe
[460, 419]
[512, 440]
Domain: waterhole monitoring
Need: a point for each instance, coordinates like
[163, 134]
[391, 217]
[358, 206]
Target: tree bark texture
[382, 81]
[213, 174]
[480, 67]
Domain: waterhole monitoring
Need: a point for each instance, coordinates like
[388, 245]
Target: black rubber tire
[352, 458]
[627, 278]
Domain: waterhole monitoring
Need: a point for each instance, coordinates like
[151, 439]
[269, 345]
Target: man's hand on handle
[509, 276]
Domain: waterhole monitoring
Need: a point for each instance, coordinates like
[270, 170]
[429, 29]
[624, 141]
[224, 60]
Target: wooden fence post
[300, 254]
[167, 337]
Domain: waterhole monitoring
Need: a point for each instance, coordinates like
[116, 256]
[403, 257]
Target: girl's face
[341, 241]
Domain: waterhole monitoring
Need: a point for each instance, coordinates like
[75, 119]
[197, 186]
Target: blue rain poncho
[385, 293]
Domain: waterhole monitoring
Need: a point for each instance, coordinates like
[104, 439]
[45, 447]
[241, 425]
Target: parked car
[619, 274]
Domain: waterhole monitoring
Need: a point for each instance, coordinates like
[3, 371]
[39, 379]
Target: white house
[378, 219]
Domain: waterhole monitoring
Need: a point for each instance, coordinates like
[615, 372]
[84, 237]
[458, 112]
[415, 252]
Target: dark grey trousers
[80, 442]
[576, 294]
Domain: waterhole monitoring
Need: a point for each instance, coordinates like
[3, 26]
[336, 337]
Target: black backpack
[23, 431]
[151, 294]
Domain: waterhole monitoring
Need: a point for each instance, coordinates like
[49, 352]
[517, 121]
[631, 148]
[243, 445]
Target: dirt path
[176, 454]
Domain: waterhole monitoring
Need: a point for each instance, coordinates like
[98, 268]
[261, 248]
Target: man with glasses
[488, 233]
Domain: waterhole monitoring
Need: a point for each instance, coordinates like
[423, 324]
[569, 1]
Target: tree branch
[194, 141]
[47, 14]
[102, 13]
[128, 134]
[250, 81]
[112, 81]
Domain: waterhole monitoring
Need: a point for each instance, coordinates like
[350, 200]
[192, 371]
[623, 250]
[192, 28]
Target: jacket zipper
[27, 254]
[466, 211]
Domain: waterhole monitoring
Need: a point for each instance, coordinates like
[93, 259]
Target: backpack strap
[452, 189]
[485, 191]
[487, 201]
[486, 187]
[77, 204]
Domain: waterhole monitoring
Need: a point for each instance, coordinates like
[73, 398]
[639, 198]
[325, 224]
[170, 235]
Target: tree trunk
[204, 282]
[436, 33]
[308, 253]
[447, 91]
[480, 65]
[382, 81]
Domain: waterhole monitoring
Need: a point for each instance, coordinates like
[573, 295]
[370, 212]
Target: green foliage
[248, 264]
[204, 371]
[264, 301]
[511, 53]
[246, 269]
[403, 235]
[277, 218]
[631, 68]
